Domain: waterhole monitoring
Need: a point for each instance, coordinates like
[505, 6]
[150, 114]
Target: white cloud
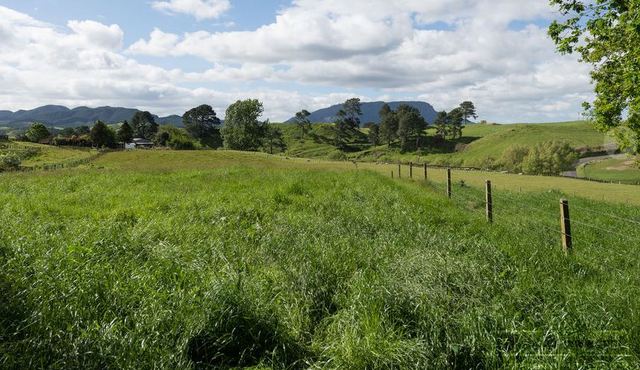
[200, 9]
[315, 53]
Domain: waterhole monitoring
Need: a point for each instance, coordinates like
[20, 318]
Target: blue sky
[169, 55]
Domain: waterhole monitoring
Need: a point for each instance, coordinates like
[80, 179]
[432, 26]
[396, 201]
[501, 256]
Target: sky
[167, 56]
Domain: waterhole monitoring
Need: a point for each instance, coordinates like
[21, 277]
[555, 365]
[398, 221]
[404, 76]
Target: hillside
[371, 112]
[479, 144]
[60, 116]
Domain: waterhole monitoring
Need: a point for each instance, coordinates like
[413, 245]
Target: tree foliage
[411, 125]
[442, 125]
[144, 125]
[606, 34]
[468, 111]
[242, 130]
[174, 138]
[303, 122]
[102, 136]
[273, 138]
[124, 133]
[455, 121]
[374, 134]
[388, 124]
[348, 121]
[37, 132]
[203, 125]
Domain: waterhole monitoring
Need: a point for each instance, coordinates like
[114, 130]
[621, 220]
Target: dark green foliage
[468, 111]
[606, 34]
[174, 138]
[37, 132]
[455, 122]
[203, 124]
[242, 130]
[303, 122]
[144, 125]
[102, 136]
[549, 158]
[388, 124]
[9, 162]
[273, 139]
[411, 125]
[442, 125]
[124, 133]
[348, 122]
[374, 134]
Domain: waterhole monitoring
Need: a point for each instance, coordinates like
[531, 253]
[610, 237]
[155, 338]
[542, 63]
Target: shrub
[9, 162]
[549, 158]
[181, 143]
[513, 157]
[337, 155]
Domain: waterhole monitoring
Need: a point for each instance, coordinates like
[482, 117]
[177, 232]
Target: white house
[138, 143]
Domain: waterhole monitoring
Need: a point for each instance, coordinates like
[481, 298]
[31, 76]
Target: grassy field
[619, 169]
[172, 260]
[480, 144]
[47, 154]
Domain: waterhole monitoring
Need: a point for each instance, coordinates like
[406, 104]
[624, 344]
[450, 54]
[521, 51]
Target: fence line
[499, 205]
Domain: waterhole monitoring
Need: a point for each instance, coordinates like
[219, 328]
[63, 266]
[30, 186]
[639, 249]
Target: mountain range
[371, 111]
[60, 116]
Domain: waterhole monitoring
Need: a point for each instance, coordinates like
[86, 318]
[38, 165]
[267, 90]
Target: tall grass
[273, 267]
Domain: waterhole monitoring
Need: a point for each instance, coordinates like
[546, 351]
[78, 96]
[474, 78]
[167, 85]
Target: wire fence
[576, 225]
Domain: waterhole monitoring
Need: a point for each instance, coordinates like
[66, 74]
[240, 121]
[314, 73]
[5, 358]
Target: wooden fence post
[489, 202]
[565, 226]
[425, 172]
[391, 174]
[399, 170]
[449, 183]
[410, 170]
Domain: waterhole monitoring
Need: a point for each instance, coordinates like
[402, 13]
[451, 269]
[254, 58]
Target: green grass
[47, 154]
[622, 170]
[480, 145]
[223, 259]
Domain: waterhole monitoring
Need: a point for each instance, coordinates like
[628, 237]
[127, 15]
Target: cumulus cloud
[200, 9]
[315, 53]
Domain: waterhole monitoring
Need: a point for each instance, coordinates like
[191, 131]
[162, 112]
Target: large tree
[102, 136]
[303, 122]
[455, 120]
[144, 125]
[374, 134]
[203, 125]
[442, 125]
[242, 130]
[37, 132]
[411, 125]
[273, 138]
[606, 34]
[348, 121]
[468, 111]
[124, 133]
[388, 124]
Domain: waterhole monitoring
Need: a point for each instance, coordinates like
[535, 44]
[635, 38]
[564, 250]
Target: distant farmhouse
[138, 143]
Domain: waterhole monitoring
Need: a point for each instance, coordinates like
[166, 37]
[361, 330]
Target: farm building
[139, 143]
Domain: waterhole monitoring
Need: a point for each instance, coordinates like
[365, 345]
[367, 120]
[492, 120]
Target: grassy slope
[52, 154]
[616, 169]
[239, 259]
[484, 141]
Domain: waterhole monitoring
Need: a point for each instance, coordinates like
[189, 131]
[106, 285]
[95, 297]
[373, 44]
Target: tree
[273, 138]
[303, 122]
[174, 138]
[442, 125]
[242, 130]
[606, 34]
[374, 134]
[37, 132]
[348, 121]
[468, 110]
[124, 133]
[102, 135]
[388, 124]
[203, 125]
[411, 124]
[144, 125]
[455, 120]
[549, 158]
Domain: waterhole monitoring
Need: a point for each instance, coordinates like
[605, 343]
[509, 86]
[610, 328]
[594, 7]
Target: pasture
[162, 259]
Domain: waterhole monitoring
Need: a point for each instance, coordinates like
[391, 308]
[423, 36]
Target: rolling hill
[60, 116]
[370, 112]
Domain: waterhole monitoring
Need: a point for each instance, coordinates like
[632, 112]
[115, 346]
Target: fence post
[411, 170]
[565, 226]
[449, 183]
[425, 172]
[399, 170]
[489, 202]
[391, 174]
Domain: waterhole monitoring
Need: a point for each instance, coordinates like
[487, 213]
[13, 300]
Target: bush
[337, 155]
[9, 162]
[549, 158]
[181, 143]
[513, 157]
[174, 138]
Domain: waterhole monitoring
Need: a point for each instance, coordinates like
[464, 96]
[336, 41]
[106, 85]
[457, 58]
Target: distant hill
[60, 116]
[371, 112]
